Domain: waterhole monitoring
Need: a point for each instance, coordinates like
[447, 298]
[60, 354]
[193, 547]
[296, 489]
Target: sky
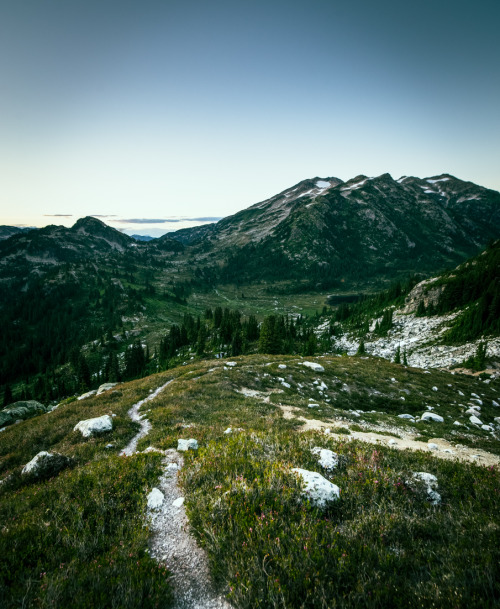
[157, 115]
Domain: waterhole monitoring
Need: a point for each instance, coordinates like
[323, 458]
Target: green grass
[78, 540]
[381, 545]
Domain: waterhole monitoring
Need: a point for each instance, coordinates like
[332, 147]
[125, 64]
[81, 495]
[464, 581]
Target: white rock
[392, 442]
[155, 499]
[317, 489]
[487, 427]
[457, 423]
[405, 416]
[314, 366]
[87, 395]
[431, 483]
[327, 458]
[172, 467]
[432, 446]
[495, 403]
[431, 416]
[480, 402]
[178, 502]
[106, 387]
[313, 405]
[228, 431]
[94, 426]
[434, 389]
[231, 364]
[42, 460]
[184, 445]
[285, 384]
[474, 411]
[460, 392]
[475, 421]
[497, 420]
[282, 366]
[474, 395]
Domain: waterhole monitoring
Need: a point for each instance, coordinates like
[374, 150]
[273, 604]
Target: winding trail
[172, 545]
[170, 541]
[133, 413]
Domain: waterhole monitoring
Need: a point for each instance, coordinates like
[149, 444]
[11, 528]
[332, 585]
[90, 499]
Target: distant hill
[328, 231]
[8, 231]
[142, 237]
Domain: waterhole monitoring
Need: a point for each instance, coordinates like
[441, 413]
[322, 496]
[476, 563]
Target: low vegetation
[78, 539]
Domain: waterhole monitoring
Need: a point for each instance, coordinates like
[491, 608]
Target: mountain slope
[334, 231]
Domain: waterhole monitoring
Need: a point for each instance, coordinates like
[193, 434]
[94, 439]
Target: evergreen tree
[361, 348]
[237, 343]
[7, 396]
[397, 356]
[201, 341]
[405, 359]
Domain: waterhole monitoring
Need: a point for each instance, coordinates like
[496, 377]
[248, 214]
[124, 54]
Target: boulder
[327, 458]
[178, 502]
[431, 416]
[314, 366]
[474, 420]
[282, 366]
[185, 445]
[95, 426]
[45, 465]
[24, 409]
[431, 483]
[87, 395]
[317, 489]
[155, 499]
[106, 387]
[406, 416]
[231, 364]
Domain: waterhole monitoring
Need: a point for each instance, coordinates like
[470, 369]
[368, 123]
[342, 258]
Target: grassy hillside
[77, 539]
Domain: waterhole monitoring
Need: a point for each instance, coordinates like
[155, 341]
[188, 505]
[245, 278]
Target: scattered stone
[106, 387]
[155, 499]
[19, 411]
[431, 416]
[313, 405]
[314, 366]
[457, 423]
[87, 395]
[434, 388]
[431, 483]
[392, 442]
[317, 489]
[46, 465]
[282, 366]
[473, 411]
[495, 403]
[91, 427]
[231, 364]
[487, 427]
[474, 395]
[228, 431]
[327, 458]
[185, 445]
[285, 384]
[406, 416]
[460, 392]
[433, 446]
[475, 421]
[109, 446]
[172, 467]
[178, 502]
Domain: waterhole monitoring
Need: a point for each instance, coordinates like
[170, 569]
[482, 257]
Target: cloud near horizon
[166, 220]
[57, 215]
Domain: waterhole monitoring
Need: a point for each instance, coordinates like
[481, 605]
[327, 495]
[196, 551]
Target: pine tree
[7, 396]
[397, 356]
[405, 359]
[361, 348]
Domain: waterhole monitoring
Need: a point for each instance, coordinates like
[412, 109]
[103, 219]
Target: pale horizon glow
[177, 112]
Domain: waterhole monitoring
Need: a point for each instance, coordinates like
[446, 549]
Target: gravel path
[171, 542]
[172, 545]
[133, 413]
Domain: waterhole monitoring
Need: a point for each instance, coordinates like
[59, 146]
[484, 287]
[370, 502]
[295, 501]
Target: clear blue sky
[193, 109]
